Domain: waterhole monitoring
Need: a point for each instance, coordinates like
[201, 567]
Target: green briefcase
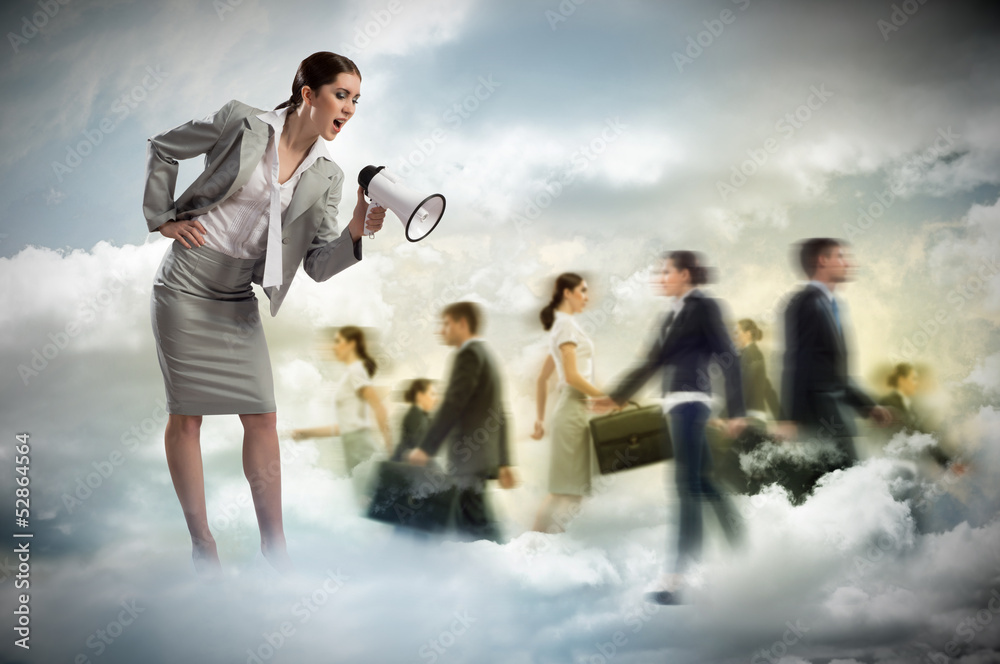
[631, 438]
[418, 497]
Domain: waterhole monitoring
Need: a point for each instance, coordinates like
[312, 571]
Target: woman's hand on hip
[184, 231]
[361, 215]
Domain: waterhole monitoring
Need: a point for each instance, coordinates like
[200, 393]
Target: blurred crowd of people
[750, 436]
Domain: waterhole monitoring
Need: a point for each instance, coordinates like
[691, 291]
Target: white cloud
[986, 374]
[401, 27]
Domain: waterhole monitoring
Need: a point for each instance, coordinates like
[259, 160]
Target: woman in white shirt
[571, 356]
[356, 398]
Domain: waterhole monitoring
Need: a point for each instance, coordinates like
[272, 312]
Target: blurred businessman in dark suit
[472, 413]
[817, 394]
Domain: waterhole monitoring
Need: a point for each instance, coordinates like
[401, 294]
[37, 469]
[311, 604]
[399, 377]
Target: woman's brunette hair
[318, 70]
[747, 325]
[565, 280]
[418, 386]
[354, 334]
[692, 262]
[901, 370]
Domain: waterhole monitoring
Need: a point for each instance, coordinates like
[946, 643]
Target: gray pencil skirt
[208, 333]
[573, 461]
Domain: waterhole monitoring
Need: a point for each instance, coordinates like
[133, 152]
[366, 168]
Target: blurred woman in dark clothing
[758, 394]
[422, 398]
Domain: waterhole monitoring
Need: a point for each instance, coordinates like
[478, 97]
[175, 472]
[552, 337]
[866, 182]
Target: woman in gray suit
[265, 203]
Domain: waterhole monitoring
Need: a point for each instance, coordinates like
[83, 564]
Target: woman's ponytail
[352, 333]
[565, 280]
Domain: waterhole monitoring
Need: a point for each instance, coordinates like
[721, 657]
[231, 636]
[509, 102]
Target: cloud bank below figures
[846, 569]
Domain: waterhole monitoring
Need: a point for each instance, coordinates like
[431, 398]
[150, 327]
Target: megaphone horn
[420, 214]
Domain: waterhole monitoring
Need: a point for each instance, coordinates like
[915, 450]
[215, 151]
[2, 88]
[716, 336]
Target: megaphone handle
[371, 206]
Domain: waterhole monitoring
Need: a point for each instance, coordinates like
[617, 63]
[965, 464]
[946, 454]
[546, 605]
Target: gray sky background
[593, 146]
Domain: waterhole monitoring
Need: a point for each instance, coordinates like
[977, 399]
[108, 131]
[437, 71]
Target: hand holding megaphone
[367, 219]
[369, 231]
[420, 214]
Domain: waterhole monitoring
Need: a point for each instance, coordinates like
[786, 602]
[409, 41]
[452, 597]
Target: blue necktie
[836, 316]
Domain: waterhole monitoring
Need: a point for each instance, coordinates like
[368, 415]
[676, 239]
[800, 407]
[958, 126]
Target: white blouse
[566, 330]
[237, 227]
[352, 409]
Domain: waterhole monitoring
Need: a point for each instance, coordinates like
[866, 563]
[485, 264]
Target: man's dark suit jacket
[816, 390]
[473, 407]
[757, 390]
[696, 336]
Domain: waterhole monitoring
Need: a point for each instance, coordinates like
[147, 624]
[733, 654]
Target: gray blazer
[233, 141]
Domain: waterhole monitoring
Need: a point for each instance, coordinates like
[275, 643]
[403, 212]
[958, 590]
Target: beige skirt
[573, 461]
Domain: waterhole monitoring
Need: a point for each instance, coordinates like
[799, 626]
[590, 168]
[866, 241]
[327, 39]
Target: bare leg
[543, 519]
[555, 512]
[262, 466]
[182, 440]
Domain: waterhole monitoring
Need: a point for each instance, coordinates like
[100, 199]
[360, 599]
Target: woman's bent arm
[541, 394]
[183, 142]
[371, 396]
[316, 432]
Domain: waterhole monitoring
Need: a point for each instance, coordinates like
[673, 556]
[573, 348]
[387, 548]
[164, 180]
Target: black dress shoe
[664, 597]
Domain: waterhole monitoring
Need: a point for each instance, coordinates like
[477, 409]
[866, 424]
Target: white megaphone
[419, 214]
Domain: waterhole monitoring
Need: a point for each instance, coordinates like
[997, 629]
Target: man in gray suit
[472, 412]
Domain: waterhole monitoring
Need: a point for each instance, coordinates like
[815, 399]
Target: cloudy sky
[574, 135]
